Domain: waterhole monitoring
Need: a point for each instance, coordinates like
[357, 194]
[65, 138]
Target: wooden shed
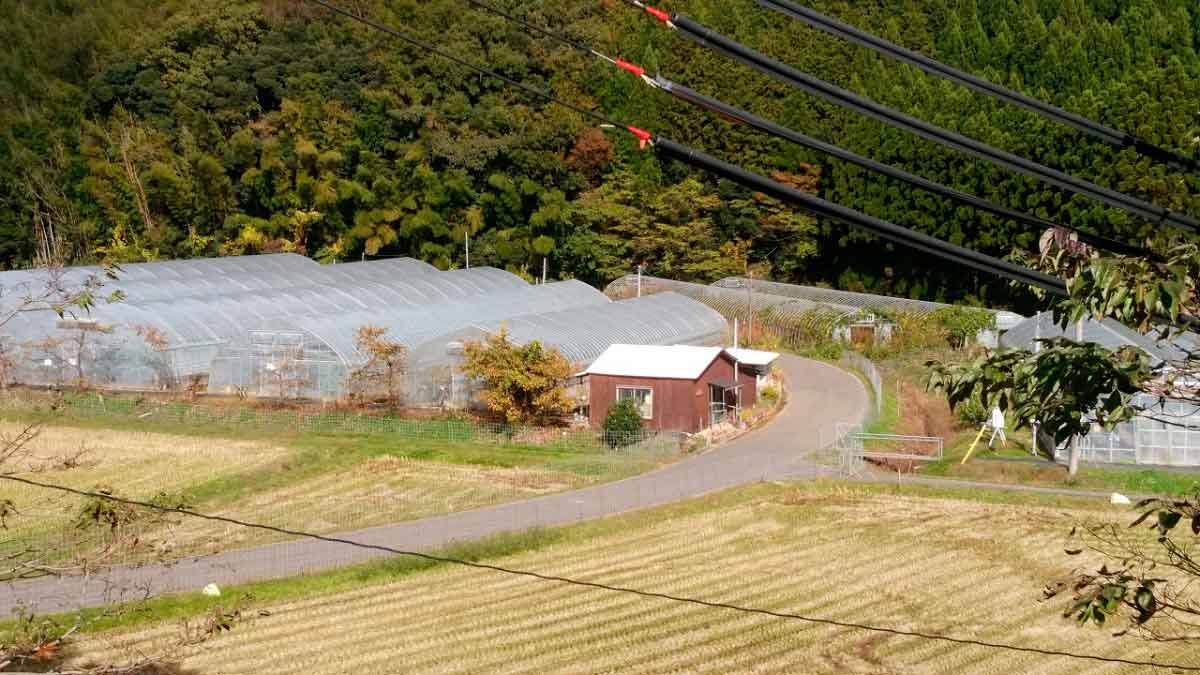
[677, 388]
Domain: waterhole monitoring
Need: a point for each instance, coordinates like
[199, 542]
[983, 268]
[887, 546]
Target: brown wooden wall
[679, 405]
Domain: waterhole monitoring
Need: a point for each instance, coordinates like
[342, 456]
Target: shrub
[971, 411]
[829, 350]
[962, 324]
[769, 394]
[623, 423]
[522, 382]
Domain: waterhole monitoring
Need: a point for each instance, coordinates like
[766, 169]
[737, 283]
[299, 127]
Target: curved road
[819, 397]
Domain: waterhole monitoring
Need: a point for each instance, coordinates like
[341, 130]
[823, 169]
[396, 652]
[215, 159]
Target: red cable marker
[644, 137]
[658, 14]
[627, 66]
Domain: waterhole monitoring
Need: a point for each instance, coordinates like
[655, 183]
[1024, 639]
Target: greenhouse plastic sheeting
[190, 329]
[328, 344]
[580, 334]
[732, 302]
[209, 277]
[829, 296]
[1108, 333]
[282, 325]
[1167, 433]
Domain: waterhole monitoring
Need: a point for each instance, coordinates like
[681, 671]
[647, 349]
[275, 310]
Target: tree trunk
[1073, 461]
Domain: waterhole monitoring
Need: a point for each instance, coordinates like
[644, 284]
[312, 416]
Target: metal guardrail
[856, 361]
[854, 448]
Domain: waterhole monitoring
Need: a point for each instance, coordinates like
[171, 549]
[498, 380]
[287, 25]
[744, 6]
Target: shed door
[862, 335]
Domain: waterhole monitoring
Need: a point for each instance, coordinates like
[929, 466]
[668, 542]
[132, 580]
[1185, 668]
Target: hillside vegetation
[139, 129]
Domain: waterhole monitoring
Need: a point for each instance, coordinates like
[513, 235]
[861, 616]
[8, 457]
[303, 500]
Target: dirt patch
[920, 414]
[923, 414]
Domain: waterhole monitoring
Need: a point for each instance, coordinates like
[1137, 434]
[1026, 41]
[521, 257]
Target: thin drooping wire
[877, 226]
[592, 584]
[714, 41]
[879, 45]
[529, 26]
[704, 102]
[533, 91]
[896, 233]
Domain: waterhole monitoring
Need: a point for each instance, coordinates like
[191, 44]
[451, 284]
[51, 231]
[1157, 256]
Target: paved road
[820, 396]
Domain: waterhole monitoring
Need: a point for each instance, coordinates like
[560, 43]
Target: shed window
[642, 397]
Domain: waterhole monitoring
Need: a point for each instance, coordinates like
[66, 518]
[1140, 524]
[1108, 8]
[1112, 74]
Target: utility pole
[467, 242]
[1073, 462]
[639, 280]
[545, 266]
[1037, 348]
[749, 305]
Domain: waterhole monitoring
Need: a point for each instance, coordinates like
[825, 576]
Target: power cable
[894, 232]
[877, 226]
[879, 45]
[716, 42]
[593, 584]
[738, 115]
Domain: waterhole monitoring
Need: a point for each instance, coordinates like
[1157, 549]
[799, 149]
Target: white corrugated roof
[676, 362]
[752, 357]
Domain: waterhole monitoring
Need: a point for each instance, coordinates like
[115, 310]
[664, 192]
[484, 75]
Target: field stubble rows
[269, 483]
[958, 567]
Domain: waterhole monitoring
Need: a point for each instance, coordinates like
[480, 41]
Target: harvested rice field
[140, 465]
[378, 491]
[918, 561]
[270, 483]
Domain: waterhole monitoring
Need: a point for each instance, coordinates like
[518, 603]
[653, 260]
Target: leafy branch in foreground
[1145, 578]
[1063, 388]
[1150, 586]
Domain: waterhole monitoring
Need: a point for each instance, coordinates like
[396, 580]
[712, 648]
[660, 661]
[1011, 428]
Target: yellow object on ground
[982, 430]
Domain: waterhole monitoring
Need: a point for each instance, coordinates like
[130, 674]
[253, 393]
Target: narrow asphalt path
[819, 397]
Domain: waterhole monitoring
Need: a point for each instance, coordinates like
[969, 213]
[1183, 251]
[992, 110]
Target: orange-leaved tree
[525, 383]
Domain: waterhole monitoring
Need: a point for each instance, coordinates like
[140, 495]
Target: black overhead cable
[595, 585]
[893, 232]
[700, 100]
[716, 42]
[877, 226]
[918, 60]
[738, 115]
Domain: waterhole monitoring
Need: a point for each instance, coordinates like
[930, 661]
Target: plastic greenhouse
[796, 314]
[283, 325]
[1167, 433]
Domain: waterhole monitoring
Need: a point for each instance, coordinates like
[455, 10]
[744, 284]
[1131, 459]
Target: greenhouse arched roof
[211, 277]
[1109, 333]
[732, 302]
[582, 334]
[829, 296]
[410, 326]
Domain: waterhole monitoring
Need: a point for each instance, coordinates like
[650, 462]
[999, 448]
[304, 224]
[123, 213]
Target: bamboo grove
[137, 130]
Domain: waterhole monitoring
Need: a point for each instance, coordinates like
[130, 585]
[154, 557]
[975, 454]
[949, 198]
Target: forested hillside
[147, 129]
